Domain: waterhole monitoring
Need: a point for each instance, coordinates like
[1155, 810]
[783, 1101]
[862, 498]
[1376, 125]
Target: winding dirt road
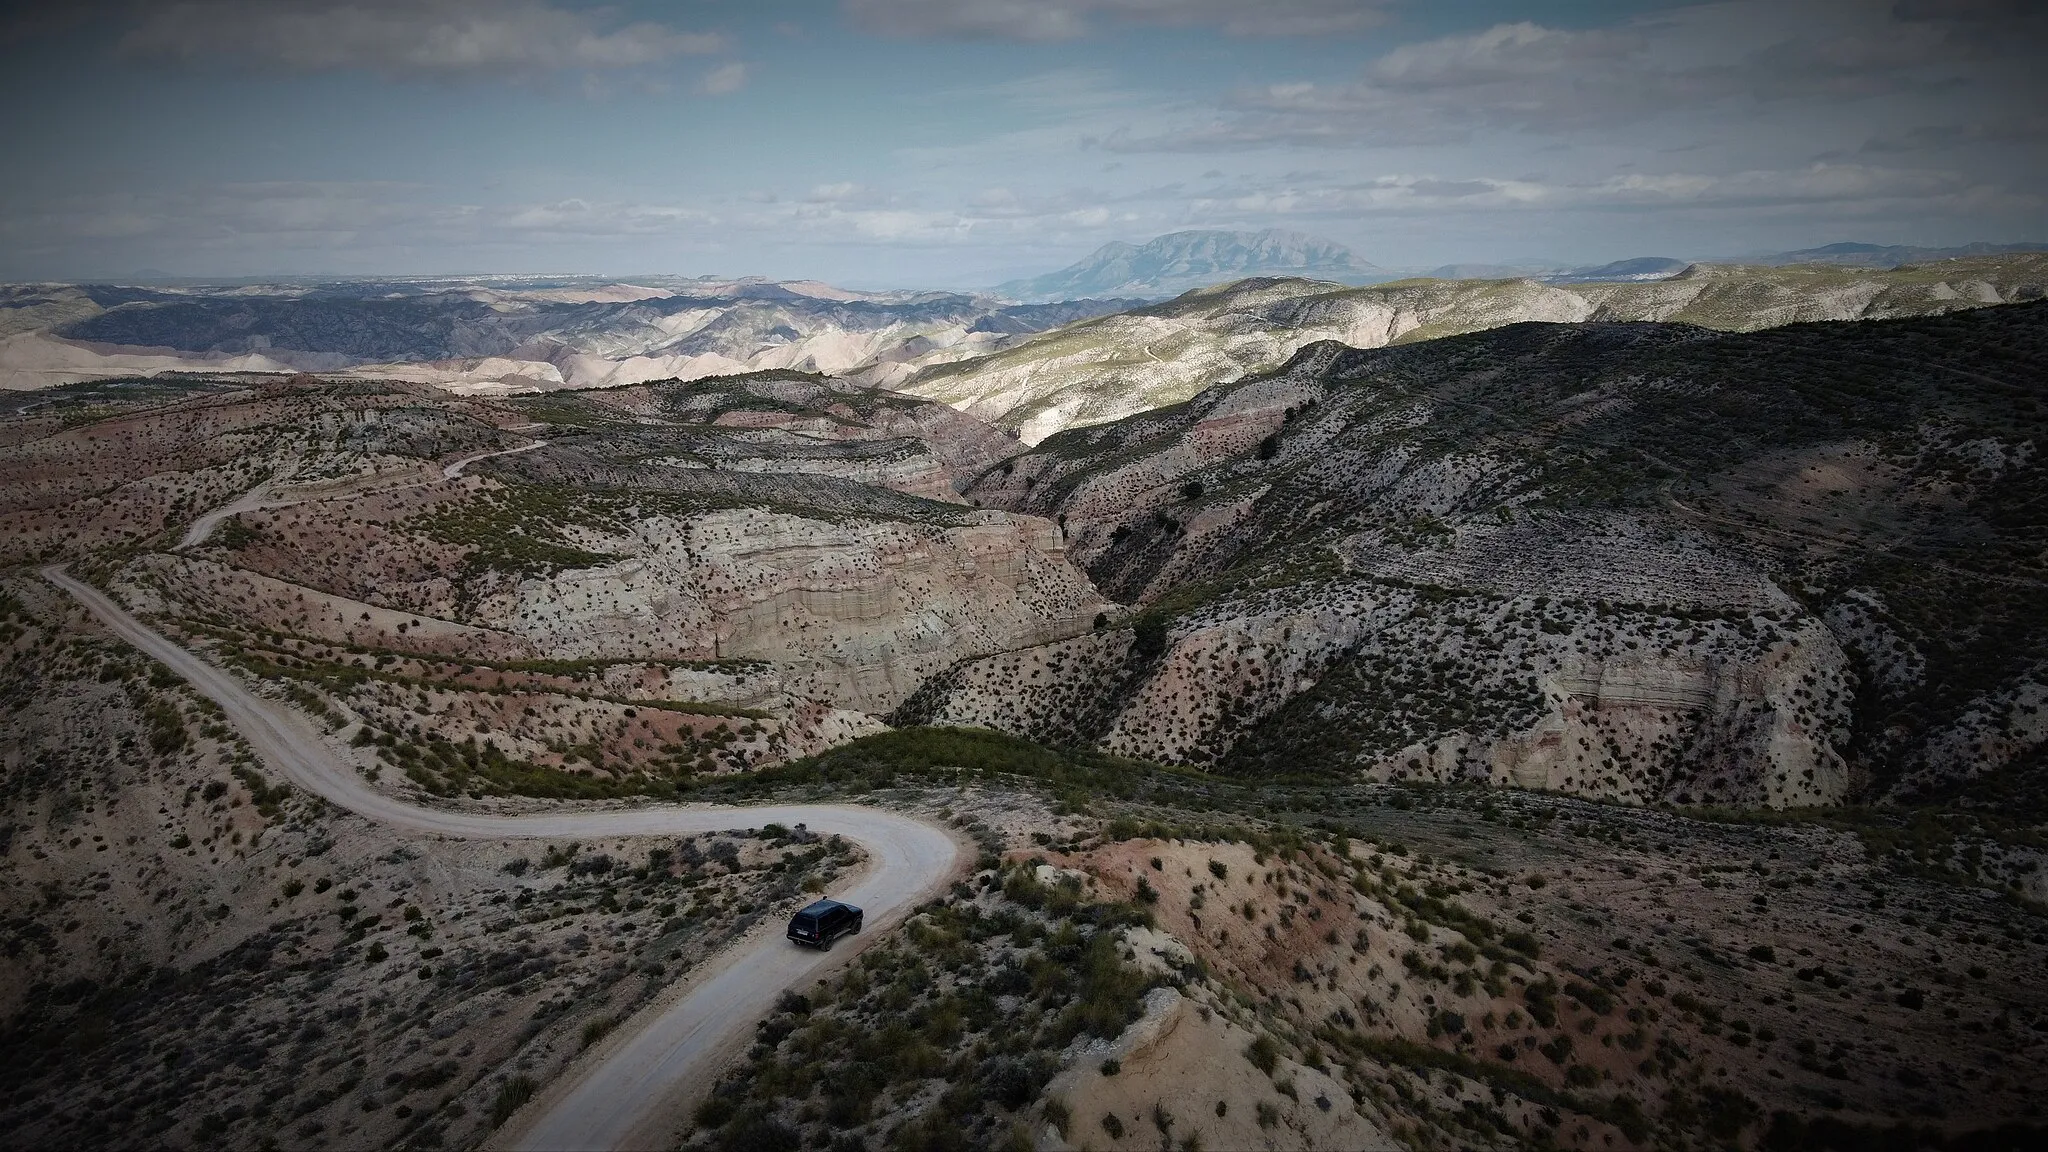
[451, 471]
[655, 1058]
[258, 499]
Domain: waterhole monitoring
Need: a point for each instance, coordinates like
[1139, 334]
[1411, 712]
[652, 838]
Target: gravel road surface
[655, 1057]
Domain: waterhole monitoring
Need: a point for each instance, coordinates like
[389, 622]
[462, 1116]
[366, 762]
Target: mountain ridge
[1179, 261]
[1792, 567]
[1108, 367]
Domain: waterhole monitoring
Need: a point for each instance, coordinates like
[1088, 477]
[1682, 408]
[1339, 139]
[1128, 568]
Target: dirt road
[451, 471]
[258, 498]
[655, 1057]
[202, 529]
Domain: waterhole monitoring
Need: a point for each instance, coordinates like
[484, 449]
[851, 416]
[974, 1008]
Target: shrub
[761, 1134]
[1057, 1115]
[511, 1095]
[1113, 1126]
[1264, 1054]
[1597, 999]
[714, 1111]
[1111, 1067]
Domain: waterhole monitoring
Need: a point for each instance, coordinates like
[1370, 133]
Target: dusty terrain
[200, 954]
[1636, 562]
[783, 555]
[1392, 966]
[1595, 735]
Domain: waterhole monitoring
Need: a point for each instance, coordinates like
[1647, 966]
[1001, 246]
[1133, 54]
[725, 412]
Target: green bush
[1057, 1115]
[1264, 1054]
[511, 1096]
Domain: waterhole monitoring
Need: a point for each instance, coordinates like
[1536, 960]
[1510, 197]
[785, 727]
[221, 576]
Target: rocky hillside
[1647, 562]
[1171, 264]
[781, 548]
[517, 336]
[1099, 370]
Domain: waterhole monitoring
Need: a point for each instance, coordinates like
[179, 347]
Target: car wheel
[824, 943]
[856, 925]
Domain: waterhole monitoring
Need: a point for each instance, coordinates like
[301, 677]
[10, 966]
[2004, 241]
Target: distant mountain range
[1179, 261]
[1640, 269]
[1635, 270]
[1182, 261]
[521, 334]
[1646, 268]
[1886, 255]
[1108, 367]
[1256, 298]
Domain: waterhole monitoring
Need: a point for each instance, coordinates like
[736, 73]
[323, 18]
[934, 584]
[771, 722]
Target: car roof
[821, 906]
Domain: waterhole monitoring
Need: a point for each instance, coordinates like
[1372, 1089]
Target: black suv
[823, 922]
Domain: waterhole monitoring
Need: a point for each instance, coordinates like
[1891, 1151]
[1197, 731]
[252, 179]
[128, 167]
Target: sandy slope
[613, 1101]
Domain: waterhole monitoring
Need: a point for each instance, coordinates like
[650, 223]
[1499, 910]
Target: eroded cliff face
[1393, 687]
[783, 555]
[855, 611]
[1647, 564]
[862, 611]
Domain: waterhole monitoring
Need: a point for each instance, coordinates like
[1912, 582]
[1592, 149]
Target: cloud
[1748, 57]
[262, 220]
[1835, 190]
[414, 38]
[1052, 20]
[723, 79]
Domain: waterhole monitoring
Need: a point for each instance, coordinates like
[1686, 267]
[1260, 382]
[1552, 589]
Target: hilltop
[1097, 370]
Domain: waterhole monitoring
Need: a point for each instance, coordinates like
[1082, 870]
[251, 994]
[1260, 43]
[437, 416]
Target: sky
[960, 143]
